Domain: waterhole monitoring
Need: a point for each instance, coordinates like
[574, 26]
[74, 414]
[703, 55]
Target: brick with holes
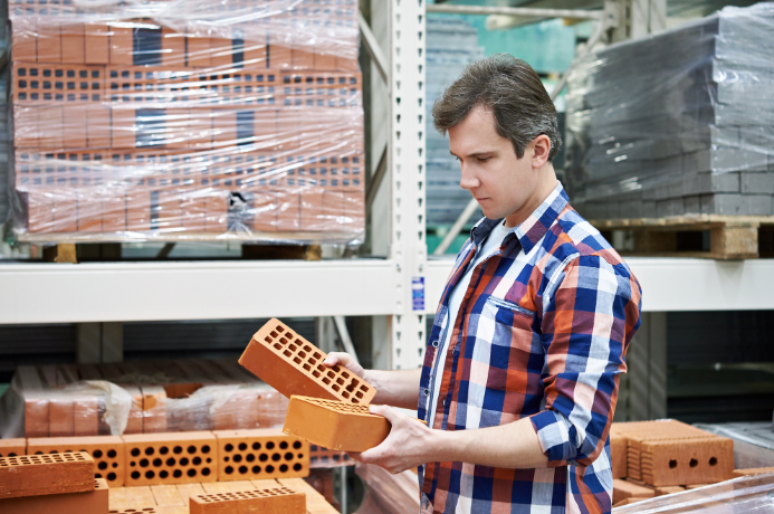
[89, 502]
[260, 454]
[687, 461]
[335, 425]
[170, 458]
[13, 447]
[35, 475]
[277, 500]
[293, 366]
[107, 452]
[623, 490]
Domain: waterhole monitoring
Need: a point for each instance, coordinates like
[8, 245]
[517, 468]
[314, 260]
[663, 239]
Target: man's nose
[467, 180]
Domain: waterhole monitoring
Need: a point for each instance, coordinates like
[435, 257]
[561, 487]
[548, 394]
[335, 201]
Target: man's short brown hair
[511, 88]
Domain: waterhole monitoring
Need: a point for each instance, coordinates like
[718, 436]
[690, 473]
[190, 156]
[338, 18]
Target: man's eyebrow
[476, 154]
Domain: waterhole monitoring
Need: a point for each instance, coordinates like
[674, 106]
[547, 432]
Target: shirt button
[425, 391]
[435, 344]
[444, 402]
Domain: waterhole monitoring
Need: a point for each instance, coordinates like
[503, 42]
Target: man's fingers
[334, 358]
[386, 412]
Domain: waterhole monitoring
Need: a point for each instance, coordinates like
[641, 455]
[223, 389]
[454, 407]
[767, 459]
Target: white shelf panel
[137, 291]
[673, 284]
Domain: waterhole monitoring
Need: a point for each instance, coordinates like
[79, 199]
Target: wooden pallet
[705, 236]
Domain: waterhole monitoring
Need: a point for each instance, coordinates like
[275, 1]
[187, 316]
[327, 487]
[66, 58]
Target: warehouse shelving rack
[400, 289]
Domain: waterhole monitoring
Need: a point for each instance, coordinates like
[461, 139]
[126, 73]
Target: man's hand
[345, 360]
[408, 445]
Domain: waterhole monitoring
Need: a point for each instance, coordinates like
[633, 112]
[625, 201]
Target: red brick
[90, 502]
[73, 36]
[107, 452]
[171, 458]
[86, 415]
[217, 212]
[13, 447]
[40, 211]
[288, 211]
[114, 210]
[65, 211]
[46, 474]
[121, 43]
[687, 461]
[221, 52]
[97, 47]
[277, 500]
[170, 210]
[623, 490]
[172, 48]
[334, 424]
[138, 209]
[49, 40]
[24, 39]
[293, 366]
[669, 489]
[260, 454]
[98, 125]
[264, 211]
[61, 417]
[618, 454]
[154, 406]
[198, 51]
[312, 209]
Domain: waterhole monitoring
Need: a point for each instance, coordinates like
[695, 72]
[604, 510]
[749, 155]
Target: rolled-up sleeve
[591, 311]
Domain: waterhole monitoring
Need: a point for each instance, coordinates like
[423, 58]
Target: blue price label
[418, 293]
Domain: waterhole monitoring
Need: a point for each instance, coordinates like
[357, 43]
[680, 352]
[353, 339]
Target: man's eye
[483, 159]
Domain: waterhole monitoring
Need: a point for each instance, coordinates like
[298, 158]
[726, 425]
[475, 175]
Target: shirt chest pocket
[511, 338]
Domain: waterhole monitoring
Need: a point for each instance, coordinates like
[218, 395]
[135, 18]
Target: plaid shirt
[541, 333]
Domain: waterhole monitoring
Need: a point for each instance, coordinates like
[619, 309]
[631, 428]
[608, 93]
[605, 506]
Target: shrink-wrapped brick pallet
[679, 123]
[187, 120]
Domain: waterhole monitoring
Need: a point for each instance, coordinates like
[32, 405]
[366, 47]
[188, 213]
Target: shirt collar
[534, 227]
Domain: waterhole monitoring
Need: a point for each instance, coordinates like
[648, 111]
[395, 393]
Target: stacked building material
[451, 44]
[653, 131]
[187, 120]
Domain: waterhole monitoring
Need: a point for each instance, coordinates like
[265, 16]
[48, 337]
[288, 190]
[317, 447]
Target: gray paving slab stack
[684, 119]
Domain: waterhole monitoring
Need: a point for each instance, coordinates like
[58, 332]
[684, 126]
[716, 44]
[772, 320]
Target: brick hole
[320, 367]
[192, 449]
[275, 334]
[191, 472]
[209, 460]
[336, 368]
[163, 473]
[157, 462]
[335, 387]
[287, 353]
[242, 470]
[289, 456]
[302, 355]
[284, 468]
[359, 394]
[340, 381]
[672, 464]
[256, 446]
[270, 445]
[163, 450]
[242, 446]
[135, 452]
[364, 389]
[297, 466]
[269, 340]
[250, 457]
[713, 461]
[293, 347]
[297, 360]
[144, 463]
[177, 473]
[111, 454]
[197, 460]
[317, 356]
[229, 470]
[270, 469]
[256, 469]
[297, 444]
[278, 346]
[149, 451]
[345, 394]
[150, 474]
[102, 465]
[237, 458]
[693, 463]
[307, 367]
[331, 374]
[171, 462]
[135, 475]
[97, 454]
[115, 464]
[206, 472]
[280, 329]
[111, 476]
[263, 457]
[177, 449]
[229, 447]
[284, 445]
[326, 380]
[184, 461]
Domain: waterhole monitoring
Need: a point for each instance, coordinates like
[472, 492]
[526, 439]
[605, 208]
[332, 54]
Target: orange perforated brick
[279, 499]
[669, 489]
[107, 452]
[687, 461]
[323, 457]
[90, 502]
[57, 84]
[618, 454]
[13, 447]
[33, 475]
[293, 366]
[170, 458]
[334, 424]
[260, 453]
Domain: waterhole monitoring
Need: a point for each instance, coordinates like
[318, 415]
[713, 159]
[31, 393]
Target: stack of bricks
[656, 458]
[62, 483]
[655, 133]
[124, 127]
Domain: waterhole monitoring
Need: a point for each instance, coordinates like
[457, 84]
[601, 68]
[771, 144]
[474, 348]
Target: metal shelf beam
[674, 284]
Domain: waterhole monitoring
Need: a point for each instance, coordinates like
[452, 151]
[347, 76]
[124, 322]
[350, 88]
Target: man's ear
[542, 149]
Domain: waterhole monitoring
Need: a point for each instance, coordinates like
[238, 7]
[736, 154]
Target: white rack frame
[137, 291]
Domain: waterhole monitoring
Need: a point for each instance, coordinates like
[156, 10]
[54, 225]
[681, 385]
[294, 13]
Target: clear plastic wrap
[677, 123]
[386, 493]
[187, 120]
[748, 495]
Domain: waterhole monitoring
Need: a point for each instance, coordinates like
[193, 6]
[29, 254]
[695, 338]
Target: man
[521, 372]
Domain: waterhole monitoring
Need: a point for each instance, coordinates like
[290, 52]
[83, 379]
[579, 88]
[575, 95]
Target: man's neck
[546, 185]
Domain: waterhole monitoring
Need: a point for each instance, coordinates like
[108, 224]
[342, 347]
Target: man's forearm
[395, 388]
[514, 445]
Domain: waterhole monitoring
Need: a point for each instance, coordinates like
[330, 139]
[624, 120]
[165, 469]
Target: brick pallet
[131, 129]
[654, 133]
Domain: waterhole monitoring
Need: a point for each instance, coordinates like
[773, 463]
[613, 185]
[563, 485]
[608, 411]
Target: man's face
[497, 179]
